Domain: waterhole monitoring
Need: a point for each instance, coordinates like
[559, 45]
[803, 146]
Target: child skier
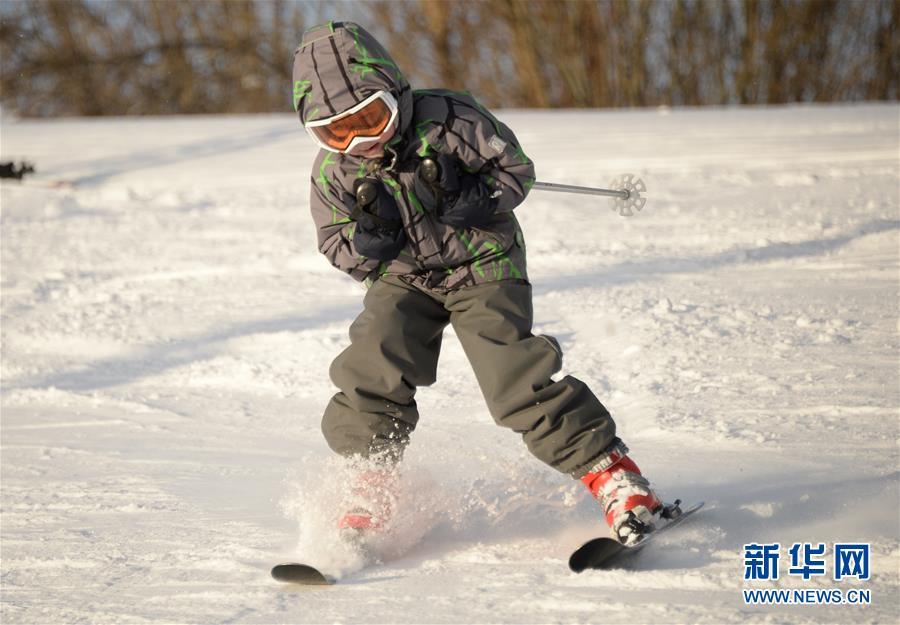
[413, 193]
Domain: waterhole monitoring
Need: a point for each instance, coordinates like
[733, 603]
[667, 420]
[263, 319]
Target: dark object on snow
[294, 573]
[8, 170]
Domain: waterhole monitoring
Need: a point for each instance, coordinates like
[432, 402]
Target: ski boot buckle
[671, 511]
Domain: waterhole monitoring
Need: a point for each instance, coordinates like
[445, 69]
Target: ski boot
[372, 503]
[628, 501]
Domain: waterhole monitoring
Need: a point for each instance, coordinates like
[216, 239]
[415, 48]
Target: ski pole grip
[365, 193]
[429, 170]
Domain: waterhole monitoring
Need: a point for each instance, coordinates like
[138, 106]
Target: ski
[605, 553]
[303, 574]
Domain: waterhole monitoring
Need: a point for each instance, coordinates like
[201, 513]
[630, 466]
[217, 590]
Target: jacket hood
[339, 64]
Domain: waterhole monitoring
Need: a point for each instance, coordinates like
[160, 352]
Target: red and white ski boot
[372, 503]
[628, 501]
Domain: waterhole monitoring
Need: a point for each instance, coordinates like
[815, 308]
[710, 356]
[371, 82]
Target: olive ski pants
[395, 343]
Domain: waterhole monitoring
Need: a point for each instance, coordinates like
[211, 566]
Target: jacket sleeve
[487, 146]
[330, 206]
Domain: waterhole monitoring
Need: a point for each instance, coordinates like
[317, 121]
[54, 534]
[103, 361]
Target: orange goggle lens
[369, 121]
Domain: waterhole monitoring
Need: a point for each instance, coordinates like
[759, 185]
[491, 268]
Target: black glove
[460, 200]
[379, 228]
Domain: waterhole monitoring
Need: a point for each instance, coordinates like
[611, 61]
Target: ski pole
[571, 188]
[625, 193]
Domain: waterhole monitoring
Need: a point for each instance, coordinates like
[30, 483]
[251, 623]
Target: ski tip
[594, 553]
[303, 574]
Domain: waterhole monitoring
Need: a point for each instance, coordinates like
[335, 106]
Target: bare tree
[82, 57]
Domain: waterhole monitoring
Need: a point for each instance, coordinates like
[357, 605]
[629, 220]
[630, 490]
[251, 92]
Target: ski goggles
[360, 126]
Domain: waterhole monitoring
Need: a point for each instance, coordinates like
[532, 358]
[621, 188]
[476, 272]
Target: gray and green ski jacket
[339, 64]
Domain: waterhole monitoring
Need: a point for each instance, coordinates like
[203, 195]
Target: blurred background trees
[121, 57]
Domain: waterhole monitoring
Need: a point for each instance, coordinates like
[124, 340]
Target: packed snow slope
[168, 325]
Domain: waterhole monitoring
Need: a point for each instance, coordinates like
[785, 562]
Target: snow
[168, 326]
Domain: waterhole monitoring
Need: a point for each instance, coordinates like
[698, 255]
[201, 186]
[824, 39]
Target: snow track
[168, 326]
